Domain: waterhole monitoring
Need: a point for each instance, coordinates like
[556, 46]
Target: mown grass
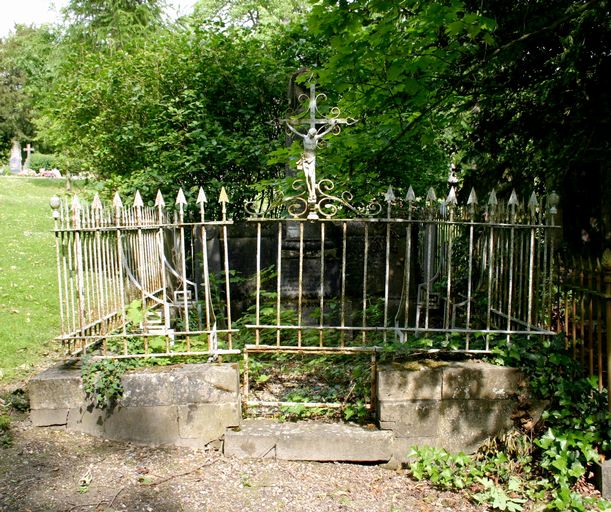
[29, 310]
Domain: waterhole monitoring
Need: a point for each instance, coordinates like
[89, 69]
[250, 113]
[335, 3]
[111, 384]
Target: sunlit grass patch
[29, 311]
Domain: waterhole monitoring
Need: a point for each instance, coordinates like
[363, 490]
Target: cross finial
[317, 128]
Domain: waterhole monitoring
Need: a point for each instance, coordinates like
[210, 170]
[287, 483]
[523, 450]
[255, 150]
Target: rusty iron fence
[583, 313]
[125, 280]
[426, 273]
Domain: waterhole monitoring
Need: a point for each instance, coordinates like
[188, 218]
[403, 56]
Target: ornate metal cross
[318, 127]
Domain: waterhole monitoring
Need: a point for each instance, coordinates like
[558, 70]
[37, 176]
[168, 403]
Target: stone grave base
[187, 405]
[451, 405]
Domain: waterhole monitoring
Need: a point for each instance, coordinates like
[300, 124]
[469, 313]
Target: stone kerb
[451, 405]
[190, 405]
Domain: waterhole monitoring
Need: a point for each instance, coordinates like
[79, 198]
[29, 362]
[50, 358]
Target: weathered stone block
[253, 440]
[198, 383]
[602, 478]
[477, 380]
[334, 442]
[59, 387]
[151, 425]
[207, 422]
[49, 417]
[207, 383]
[410, 418]
[87, 419]
[308, 441]
[401, 384]
[465, 424]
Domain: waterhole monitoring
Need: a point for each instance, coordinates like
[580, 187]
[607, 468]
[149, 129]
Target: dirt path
[54, 470]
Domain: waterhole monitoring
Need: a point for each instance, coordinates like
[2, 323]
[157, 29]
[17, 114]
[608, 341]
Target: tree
[110, 23]
[394, 65]
[252, 12]
[177, 106]
[542, 109]
[24, 61]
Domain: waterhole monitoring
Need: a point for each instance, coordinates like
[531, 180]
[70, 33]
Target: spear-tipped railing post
[202, 201]
[55, 204]
[181, 202]
[512, 203]
[431, 199]
[161, 217]
[141, 262]
[224, 199]
[80, 278]
[492, 204]
[472, 204]
[118, 207]
[451, 202]
[410, 197]
[389, 197]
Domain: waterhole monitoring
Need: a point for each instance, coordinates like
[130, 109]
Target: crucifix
[317, 128]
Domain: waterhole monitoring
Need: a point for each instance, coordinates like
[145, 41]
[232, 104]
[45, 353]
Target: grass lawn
[29, 311]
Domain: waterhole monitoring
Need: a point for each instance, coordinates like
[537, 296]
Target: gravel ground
[55, 470]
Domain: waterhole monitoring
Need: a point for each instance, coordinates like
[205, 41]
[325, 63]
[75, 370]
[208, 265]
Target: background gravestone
[15, 159]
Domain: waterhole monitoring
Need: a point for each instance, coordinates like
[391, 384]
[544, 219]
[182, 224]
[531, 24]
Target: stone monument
[15, 159]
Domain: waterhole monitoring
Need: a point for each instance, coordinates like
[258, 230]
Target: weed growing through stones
[298, 378]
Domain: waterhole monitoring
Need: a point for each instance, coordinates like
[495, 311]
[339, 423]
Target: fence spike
[76, 204]
[180, 198]
[513, 198]
[201, 197]
[389, 196]
[451, 199]
[223, 197]
[96, 204]
[159, 201]
[116, 201]
[492, 200]
[138, 203]
[410, 196]
[472, 197]
[430, 195]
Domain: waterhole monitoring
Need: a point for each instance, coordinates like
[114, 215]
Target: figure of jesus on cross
[317, 129]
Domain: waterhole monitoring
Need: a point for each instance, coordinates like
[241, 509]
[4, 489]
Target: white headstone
[15, 160]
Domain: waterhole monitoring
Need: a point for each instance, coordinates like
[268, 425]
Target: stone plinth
[190, 405]
[308, 441]
[451, 405]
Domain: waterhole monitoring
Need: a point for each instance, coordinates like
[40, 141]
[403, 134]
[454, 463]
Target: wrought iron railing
[583, 313]
[328, 276]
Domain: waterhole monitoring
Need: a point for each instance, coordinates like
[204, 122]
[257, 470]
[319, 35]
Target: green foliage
[6, 438]
[251, 13]
[102, 380]
[540, 100]
[395, 65]
[23, 69]
[181, 107]
[314, 379]
[110, 24]
[42, 160]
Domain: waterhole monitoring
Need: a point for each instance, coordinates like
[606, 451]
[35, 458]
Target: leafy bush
[40, 160]
[5, 433]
